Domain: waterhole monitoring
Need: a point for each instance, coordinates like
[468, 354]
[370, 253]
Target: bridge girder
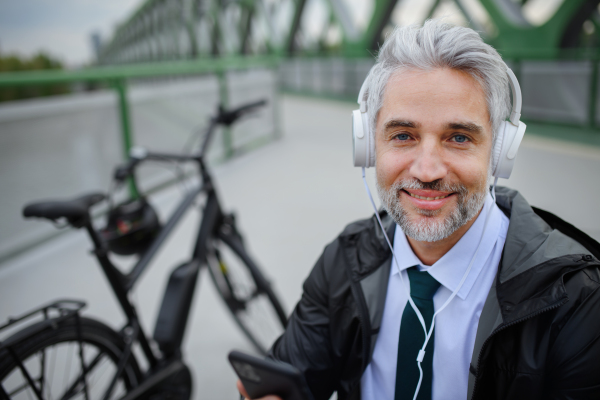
[519, 38]
[183, 29]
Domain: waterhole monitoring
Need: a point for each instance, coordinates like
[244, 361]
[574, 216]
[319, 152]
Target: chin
[426, 228]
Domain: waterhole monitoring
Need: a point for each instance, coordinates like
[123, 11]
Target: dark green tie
[422, 288]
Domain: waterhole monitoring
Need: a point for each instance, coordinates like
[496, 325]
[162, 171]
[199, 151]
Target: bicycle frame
[167, 365]
[175, 303]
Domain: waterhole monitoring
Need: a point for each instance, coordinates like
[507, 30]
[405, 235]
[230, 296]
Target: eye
[460, 138]
[402, 136]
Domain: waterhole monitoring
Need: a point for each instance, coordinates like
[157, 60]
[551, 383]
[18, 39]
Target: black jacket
[538, 335]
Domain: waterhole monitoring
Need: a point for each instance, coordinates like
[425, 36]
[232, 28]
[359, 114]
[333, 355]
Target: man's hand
[245, 394]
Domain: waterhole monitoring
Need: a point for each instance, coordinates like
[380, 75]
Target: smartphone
[262, 377]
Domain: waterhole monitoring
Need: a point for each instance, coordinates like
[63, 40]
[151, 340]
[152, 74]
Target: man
[521, 285]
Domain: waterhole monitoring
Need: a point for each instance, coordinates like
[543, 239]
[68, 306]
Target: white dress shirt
[456, 325]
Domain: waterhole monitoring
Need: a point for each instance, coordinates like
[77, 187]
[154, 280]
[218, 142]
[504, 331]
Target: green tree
[40, 61]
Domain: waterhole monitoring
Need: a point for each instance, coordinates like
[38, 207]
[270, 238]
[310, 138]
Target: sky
[59, 27]
[62, 28]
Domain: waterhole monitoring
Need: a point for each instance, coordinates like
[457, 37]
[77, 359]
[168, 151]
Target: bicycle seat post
[116, 279]
[98, 244]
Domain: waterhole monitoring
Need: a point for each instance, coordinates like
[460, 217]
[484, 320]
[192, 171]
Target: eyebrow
[465, 126]
[400, 123]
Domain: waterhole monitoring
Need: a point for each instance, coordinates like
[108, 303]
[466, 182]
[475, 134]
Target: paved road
[292, 197]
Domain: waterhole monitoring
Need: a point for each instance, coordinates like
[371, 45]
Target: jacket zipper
[501, 328]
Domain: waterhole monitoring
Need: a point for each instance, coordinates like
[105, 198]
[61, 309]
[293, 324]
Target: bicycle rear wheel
[71, 360]
[246, 292]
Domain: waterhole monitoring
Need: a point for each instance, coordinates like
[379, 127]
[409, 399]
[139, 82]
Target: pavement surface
[291, 197]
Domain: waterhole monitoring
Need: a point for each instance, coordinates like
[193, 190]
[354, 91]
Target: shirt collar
[449, 269]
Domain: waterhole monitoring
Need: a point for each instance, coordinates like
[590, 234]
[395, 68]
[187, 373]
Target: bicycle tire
[246, 292]
[52, 358]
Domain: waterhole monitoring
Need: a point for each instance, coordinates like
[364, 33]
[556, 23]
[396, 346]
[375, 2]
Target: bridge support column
[224, 102]
[126, 135]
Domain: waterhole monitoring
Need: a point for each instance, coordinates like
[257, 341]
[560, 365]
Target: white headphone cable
[454, 293]
[387, 239]
[421, 354]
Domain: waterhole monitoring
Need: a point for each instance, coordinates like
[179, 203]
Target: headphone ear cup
[497, 149]
[358, 140]
[371, 135]
[506, 148]
[362, 140]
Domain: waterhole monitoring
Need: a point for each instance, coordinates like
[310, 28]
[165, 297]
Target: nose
[428, 164]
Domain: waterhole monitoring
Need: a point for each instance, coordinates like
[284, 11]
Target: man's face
[433, 144]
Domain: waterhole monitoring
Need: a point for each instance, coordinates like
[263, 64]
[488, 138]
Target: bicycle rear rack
[51, 315]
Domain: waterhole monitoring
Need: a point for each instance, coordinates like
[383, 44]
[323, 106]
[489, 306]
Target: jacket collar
[366, 246]
[534, 260]
[530, 278]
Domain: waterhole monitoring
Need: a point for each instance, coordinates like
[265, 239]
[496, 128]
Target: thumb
[241, 389]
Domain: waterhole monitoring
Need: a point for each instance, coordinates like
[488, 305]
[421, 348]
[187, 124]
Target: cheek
[472, 172]
[389, 167]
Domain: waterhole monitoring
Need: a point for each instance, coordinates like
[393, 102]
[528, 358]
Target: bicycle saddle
[73, 210]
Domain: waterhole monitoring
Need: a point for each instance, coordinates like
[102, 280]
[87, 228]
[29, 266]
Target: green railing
[341, 78]
[117, 77]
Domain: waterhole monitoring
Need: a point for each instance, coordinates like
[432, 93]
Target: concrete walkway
[291, 197]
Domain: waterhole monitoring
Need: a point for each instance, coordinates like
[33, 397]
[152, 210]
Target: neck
[430, 252]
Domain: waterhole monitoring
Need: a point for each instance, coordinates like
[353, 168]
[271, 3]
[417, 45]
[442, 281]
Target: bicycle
[94, 360]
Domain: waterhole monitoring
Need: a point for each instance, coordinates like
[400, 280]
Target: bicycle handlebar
[227, 118]
[123, 171]
[223, 117]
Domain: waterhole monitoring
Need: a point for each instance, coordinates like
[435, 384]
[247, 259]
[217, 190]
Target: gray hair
[441, 45]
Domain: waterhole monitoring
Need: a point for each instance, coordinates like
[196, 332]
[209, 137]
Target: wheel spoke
[17, 389]
[72, 390]
[82, 360]
[42, 370]
[26, 375]
[3, 394]
[68, 369]
[37, 370]
[52, 369]
[245, 291]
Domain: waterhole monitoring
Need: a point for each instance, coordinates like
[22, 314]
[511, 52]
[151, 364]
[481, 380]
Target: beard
[423, 226]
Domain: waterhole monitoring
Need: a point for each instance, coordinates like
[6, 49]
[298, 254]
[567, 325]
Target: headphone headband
[515, 88]
[361, 94]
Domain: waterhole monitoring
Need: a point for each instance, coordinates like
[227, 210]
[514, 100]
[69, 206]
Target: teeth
[427, 198]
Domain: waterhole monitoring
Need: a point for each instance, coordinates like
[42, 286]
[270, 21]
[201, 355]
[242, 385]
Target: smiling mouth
[427, 198]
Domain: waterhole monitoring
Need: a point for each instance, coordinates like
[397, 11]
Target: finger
[243, 392]
[241, 389]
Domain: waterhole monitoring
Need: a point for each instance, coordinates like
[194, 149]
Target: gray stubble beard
[430, 229]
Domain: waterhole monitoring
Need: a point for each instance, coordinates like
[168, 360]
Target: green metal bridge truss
[327, 46]
[182, 29]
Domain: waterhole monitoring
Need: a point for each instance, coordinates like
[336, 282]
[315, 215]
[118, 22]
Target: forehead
[435, 97]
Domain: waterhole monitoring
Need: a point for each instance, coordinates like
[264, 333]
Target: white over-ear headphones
[508, 138]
